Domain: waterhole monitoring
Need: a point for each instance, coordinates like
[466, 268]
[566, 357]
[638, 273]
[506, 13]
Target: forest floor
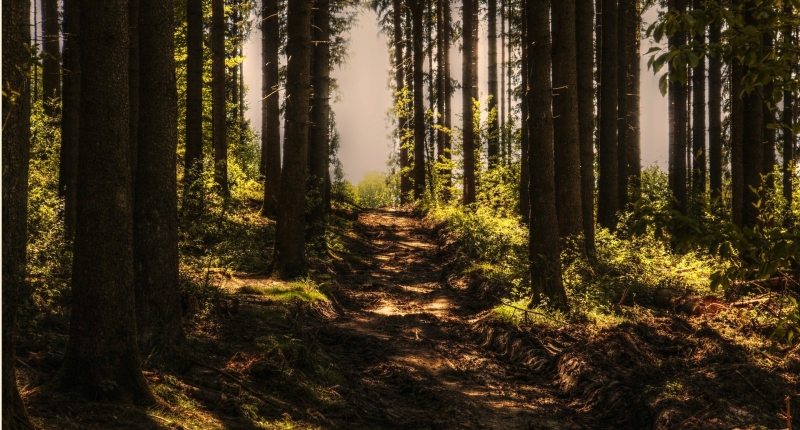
[404, 340]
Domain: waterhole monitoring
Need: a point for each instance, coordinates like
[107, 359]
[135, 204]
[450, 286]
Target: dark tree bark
[678, 117]
[715, 114]
[155, 208]
[441, 96]
[51, 61]
[448, 91]
[545, 252]
[769, 157]
[698, 126]
[193, 159]
[270, 107]
[417, 11]
[399, 42]
[752, 142]
[469, 93]
[102, 358]
[633, 164]
[219, 95]
[320, 116]
[608, 187]
[565, 120]
[584, 29]
[406, 183]
[625, 9]
[68, 163]
[737, 142]
[133, 84]
[788, 121]
[289, 260]
[16, 153]
[505, 155]
[492, 128]
[524, 175]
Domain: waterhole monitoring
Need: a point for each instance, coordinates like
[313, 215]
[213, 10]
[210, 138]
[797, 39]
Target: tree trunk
[633, 164]
[68, 163]
[608, 187]
[492, 127]
[102, 358]
[698, 127]
[51, 61]
[155, 208]
[584, 29]
[788, 121]
[715, 114]
[624, 20]
[545, 252]
[219, 95]
[565, 120]
[737, 141]
[752, 142]
[133, 84]
[417, 10]
[677, 122]
[289, 260]
[524, 176]
[448, 90]
[441, 96]
[16, 153]
[193, 159]
[270, 108]
[320, 115]
[769, 158]
[397, 17]
[504, 154]
[406, 184]
[469, 34]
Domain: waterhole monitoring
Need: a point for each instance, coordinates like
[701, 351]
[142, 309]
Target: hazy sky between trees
[364, 98]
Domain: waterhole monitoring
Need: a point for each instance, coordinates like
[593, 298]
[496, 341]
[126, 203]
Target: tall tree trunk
[545, 252]
[625, 11]
[469, 28]
[417, 11]
[133, 84]
[788, 121]
[492, 128]
[504, 154]
[677, 121]
[448, 91]
[102, 337]
[737, 141]
[289, 259]
[584, 29]
[753, 141]
[397, 16]
[219, 95]
[441, 96]
[633, 164]
[406, 184]
[608, 201]
[430, 147]
[155, 208]
[698, 126]
[320, 116]
[16, 153]
[770, 158]
[270, 107]
[524, 175]
[68, 162]
[565, 120]
[715, 114]
[51, 61]
[193, 159]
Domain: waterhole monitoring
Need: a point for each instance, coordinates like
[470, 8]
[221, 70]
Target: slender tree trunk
[448, 90]
[102, 338]
[608, 201]
[289, 259]
[219, 95]
[155, 208]
[16, 154]
[752, 142]
[417, 11]
[440, 78]
[68, 163]
[193, 160]
[51, 61]
[133, 84]
[715, 114]
[698, 127]
[504, 154]
[397, 16]
[469, 28]
[633, 163]
[770, 158]
[565, 120]
[788, 121]
[677, 122]
[320, 115]
[624, 20]
[545, 252]
[270, 107]
[524, 176]
[737, 142]
[406, 184]
[492, 128]
[430, 147]
[584, 29]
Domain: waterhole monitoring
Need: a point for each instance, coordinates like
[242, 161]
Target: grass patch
[305, 290]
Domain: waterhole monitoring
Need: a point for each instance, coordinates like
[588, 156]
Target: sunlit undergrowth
[304, 289]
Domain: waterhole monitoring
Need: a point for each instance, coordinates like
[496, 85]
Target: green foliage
[304, 289]
[373, 191]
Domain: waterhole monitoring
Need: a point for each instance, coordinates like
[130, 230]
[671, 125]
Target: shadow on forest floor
[405, 341]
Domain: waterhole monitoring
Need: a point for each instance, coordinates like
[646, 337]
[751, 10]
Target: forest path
[404, 341]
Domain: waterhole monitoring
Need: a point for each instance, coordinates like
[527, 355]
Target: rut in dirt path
[404, 342]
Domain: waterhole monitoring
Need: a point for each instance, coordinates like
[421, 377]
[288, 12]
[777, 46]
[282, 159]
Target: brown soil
[407, 343]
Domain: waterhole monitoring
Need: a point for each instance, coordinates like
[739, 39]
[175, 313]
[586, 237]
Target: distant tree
[155, 208]
[219, 95]
[270, 107]
[545, 259]
[193, 159]
[320, 116]
[372, 191]
[584, 32]
[699, 170]
[753, 138]
[770, 124]
[403, 58]
[68, 158]
[677, 94]
[448, 88]
[608, 191]
[417, 12]
[51, 58]
[492, 129]
[102, 358]
[737, 141]
[524, 176]
[289, 259]
[715, 113]
[632, 169]
[469, 37]
[788, 121]
[16, 152]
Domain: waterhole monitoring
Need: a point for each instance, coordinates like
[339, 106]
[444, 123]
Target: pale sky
[364, 97]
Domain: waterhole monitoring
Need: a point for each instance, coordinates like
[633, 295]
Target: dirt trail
[404, 340]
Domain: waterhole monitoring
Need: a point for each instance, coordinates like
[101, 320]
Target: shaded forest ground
[391, 334]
